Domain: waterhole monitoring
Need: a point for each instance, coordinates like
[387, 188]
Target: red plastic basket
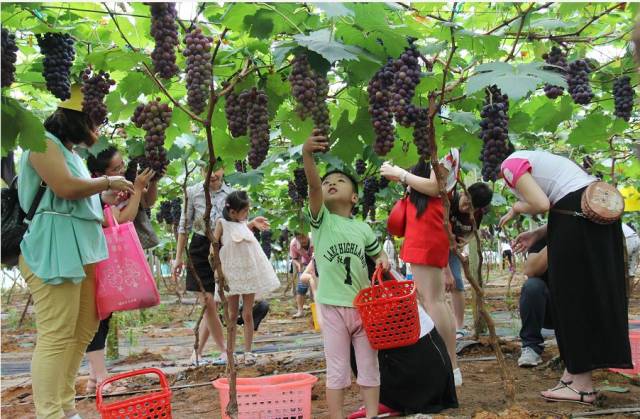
[634, 340]
[389, 312]
[148, 406]
[273, 397]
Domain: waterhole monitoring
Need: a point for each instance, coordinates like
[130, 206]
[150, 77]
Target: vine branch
[509, 21]
[515, 43]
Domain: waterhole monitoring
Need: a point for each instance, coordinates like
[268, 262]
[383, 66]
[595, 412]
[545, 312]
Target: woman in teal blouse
[59, 252]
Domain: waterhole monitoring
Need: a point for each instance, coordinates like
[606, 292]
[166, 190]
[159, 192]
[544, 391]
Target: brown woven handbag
[601, 203]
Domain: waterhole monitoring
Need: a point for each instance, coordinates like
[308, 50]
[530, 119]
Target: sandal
[582, 394]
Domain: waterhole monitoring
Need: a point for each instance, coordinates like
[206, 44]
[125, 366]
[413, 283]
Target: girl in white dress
[246, 268]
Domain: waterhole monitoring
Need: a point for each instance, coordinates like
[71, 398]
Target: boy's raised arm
[313, 144]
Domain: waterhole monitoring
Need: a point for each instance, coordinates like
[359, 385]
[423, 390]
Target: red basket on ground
[148, 406]
[634, 340]
[272, 397]
[389, 312]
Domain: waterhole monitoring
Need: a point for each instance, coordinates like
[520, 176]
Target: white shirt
[451, 161]
[426, 324]
[196, 205]
[504, 246]
[557, 176]
[390, 250]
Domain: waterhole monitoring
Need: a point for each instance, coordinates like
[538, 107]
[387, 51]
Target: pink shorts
[342, 326]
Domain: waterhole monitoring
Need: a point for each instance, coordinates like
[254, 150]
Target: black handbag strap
[36, 201]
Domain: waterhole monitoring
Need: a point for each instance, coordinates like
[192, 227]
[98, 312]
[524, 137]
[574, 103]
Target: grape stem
[515, 43]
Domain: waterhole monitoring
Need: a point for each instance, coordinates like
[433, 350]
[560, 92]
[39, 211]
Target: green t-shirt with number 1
[340, 245]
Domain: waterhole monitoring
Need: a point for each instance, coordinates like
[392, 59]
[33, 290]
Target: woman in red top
[426, 246]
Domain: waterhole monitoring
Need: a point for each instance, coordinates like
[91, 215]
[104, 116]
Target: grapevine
[623, 96]
[558, 59]
[494, 133]
[9, 57]
[380, 109]
[198, 53]
[258, 121]
[154, 118]
[94, 88]
[165, 32]
[578, 81]
[59, 54]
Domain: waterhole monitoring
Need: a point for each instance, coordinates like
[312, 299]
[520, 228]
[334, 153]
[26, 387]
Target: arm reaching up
[314, 144]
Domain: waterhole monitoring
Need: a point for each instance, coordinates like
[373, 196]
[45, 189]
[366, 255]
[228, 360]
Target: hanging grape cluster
[154, 118]
[94, 88]
[169, 212]
[165, 32]
[9, 57]
[557, 58]
[59, 54]
[284, 239]
[406, 77]
[132, 169]
[310, 90]
[298, 188]
[361, 167]
[578, 81]
[421, 134]
[258, 122]
[369, 190]
[380, 109]
[494, 132]
[241, 166]
[391, 91]
[383, 182]
[236, 111]
[623, 96]
[198, 53]
[265, 242]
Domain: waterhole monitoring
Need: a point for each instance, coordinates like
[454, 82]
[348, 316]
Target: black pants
[535, 313]
[100, 338]
[260, 310]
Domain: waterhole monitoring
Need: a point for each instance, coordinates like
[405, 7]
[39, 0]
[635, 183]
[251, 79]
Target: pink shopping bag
[124, 280]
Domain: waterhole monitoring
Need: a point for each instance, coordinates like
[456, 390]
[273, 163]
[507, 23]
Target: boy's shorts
[341, 327]
[301, 288]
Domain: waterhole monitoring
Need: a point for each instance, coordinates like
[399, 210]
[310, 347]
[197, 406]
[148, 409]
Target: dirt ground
[298, 349]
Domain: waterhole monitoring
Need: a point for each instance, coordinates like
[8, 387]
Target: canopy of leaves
[471, 46]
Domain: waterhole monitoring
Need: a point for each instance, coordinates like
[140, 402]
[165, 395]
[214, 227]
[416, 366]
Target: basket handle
[377, 277]
[163, 381]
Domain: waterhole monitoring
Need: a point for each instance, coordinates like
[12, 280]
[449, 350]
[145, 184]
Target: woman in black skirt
[417, 378]
[586, 270]
[199, 249]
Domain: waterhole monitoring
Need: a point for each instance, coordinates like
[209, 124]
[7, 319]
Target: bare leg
[457, 299]
[335, 403]
[371, 396]
[214, 324]
[300, 305]
[247, 316]
[97, 366]
[430, 284]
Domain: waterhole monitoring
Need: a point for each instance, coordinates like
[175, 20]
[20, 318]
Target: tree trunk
[479, 324]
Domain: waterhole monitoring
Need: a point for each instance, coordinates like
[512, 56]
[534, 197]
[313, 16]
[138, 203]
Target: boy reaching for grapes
[341, 245]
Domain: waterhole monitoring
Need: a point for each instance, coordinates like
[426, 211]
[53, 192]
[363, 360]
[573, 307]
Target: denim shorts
[302, 288]
[456, 270]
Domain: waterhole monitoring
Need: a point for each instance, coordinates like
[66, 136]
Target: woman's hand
[391, 172]
[119, 183]
[507, 217]
[176, 269]
[525, 240]
[448, 280]
[143, 179]
[261, 223]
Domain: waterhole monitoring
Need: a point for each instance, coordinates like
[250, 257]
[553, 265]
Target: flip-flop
[582, 395]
